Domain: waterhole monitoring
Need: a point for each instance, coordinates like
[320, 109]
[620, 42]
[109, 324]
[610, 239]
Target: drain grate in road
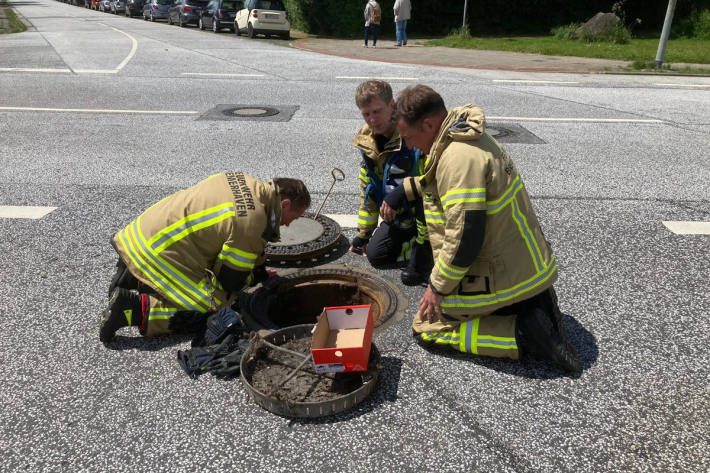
[273, 113]
[512, 133]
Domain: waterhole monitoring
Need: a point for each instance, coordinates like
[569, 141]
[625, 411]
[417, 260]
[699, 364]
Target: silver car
[156, 9]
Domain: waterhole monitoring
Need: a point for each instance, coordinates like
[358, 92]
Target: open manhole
[305, 240]
[277, 378]
[299, 297]
[512, 133]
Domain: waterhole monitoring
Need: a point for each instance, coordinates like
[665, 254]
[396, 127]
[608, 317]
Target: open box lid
[341, 327]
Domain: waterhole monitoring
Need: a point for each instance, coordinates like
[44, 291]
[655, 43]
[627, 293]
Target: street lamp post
[665, 33]
[465, 6]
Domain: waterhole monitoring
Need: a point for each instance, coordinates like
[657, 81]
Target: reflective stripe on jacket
[468, 170]
[180, 245]
[377, 178]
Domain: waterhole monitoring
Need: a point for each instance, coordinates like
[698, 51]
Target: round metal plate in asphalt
[251, 111]
[306, 241]
[498, 131]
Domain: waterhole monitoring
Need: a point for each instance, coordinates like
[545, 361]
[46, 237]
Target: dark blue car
[156, 9]
[219, 14]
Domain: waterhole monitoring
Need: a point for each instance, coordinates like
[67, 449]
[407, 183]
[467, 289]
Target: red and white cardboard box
[342, 339]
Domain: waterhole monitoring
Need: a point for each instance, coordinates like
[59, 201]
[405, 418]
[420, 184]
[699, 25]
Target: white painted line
[344, 220]
[685, 85]
[377, 78]
[96, 71]
[91, 110]
[535, 81]
[215, 74]
[19, 211]
[688, 228]
[584, 120]
[28, 69]
[134, 48]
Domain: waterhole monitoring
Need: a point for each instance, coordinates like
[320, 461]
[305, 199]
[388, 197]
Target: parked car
[95, 4]
[219, 14]
[118, 6]
[267, 17]
[105, 5]
[184, 12]
[156, 9]
[134, 7]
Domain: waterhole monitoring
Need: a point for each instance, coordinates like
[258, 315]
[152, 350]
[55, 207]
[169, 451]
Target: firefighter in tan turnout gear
[490, 290]
[195, 250]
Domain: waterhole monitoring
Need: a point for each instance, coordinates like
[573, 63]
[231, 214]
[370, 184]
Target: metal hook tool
[335, 179]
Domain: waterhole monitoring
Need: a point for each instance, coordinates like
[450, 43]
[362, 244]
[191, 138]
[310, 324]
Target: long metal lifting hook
[335, 179]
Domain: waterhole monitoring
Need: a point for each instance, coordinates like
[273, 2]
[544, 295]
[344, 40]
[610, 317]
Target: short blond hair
[370, 90]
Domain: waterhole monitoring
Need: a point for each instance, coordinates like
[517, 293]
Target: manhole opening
[300, 298]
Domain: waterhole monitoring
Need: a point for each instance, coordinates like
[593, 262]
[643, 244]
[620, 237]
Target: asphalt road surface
[101, 116]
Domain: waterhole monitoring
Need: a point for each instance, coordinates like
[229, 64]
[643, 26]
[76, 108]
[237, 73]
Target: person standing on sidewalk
[402, 13]
[373, 15]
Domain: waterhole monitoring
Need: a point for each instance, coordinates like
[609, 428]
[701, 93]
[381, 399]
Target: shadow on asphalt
[581, 339]
[385, 392]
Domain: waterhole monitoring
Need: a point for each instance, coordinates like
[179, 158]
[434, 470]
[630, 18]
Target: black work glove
[397, 199]
[358, 244]
[259, 275]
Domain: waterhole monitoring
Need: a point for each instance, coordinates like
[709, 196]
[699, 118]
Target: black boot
[124, 309]
[419, 268]
[536, 335]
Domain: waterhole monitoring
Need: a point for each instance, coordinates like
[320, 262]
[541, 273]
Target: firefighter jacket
[380, 173]
[467, 170]
[203, 239]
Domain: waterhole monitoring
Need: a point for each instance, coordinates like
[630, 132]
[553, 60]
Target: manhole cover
[307, 394]
[253, 112]
[512, 133]
[305, 239]
[299, 297]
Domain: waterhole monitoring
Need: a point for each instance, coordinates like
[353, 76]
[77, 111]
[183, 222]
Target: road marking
[685, 85]
[688, 228]
[28, 69]
[562, 119]
[377, 78]
[134, 48]
[92, 110]
[535, 81]
[20, 211]
[214, 74]
[344, 220]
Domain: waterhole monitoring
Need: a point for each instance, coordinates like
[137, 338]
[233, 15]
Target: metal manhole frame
[252, 304]
[310, 409]
[267, 111]
[320, 246]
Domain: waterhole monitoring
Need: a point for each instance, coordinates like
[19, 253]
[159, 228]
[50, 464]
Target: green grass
[678, 50]
[16, 26]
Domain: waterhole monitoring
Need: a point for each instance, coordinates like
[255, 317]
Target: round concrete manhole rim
[389, 303]
[309, 251]
[251, 111]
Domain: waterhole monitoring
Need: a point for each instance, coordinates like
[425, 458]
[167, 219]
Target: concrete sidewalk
[416, 53]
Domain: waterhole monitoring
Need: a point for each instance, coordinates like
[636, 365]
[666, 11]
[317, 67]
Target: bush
[462, 32]
[701, 24]
[566, 32]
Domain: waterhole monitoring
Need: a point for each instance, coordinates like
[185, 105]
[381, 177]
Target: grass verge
[678, 50]
[15, 24]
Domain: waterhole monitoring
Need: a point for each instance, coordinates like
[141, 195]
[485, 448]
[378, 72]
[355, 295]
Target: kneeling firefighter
[490, 291]
[194, 251]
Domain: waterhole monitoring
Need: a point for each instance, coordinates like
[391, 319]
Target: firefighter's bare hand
[430, 305]
[387, 213]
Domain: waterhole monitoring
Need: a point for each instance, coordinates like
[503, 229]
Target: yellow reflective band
[238, 257]
[495, 206]
[129, 241]
[129, 315]
[448, 271]
[162, 313]
[192, 223]
[451, 338]
[434, 217]
[468, 335]
[527, 235]
[457, 196]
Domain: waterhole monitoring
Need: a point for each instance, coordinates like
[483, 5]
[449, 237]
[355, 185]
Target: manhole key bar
[335, 179]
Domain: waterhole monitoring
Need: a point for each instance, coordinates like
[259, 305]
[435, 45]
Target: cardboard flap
[341, 318]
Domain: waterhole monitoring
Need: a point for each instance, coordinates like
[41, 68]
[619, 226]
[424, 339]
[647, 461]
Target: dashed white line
[29, 69]
[521, 81]
[377, 78]
[688, 228]
[684, 85]
[344, 220]
[570, 119]
[93, 110]
[215, 74]
[22, 211]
